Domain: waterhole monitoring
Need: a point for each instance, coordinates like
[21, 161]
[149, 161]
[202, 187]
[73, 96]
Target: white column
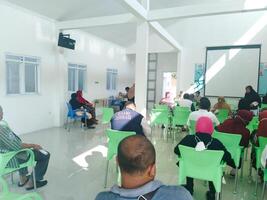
[142, 37]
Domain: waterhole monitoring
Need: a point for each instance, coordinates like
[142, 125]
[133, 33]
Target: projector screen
[230, 69]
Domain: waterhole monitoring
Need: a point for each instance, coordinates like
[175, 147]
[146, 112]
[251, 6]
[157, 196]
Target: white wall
[25, 33]
[196, 34]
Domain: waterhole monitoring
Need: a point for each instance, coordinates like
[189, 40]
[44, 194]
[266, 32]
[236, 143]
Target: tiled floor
[77, 166]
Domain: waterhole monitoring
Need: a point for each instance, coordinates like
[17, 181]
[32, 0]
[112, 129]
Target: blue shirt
[163, 193]
[127, 120]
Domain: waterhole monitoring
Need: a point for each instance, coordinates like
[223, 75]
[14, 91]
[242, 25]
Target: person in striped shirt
[9, 141]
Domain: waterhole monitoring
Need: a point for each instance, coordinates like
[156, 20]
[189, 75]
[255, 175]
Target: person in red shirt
[262, 128]
[237, 125]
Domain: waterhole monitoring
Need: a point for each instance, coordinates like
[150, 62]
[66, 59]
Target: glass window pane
[81, 79]
[71, 79]
[30, 77]
[13, 77]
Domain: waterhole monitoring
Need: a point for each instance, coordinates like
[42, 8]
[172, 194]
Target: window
[112, 79]
[22, 74]
[76, 77]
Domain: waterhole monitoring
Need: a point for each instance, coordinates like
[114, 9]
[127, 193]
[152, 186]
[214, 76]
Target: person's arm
[29, 146]
[146, 127]
[9, 139]
[226, 156]
[193, 107]
[215, 120]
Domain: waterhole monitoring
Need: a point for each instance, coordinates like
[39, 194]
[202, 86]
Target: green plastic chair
[231, 143]
[253, 124]
[159, 117]
[263, 106]
[264, 184]
[204, 165]
[5, 158]
[114, 138]
[192, 127]
[180, 116]
[222, 115]
[161, 106]
[107, 114]
[259, 150]
[7, 195]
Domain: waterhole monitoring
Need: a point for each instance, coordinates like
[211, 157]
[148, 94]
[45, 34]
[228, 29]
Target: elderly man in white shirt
[204, 107]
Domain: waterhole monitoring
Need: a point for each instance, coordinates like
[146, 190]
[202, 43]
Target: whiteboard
[230, 70]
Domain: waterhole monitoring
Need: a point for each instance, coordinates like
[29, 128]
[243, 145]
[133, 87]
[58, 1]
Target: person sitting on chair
[130, 120]
[204, 110]
[204, 130]
[237, 125]
[80, 111]
[221, 104]
[89, 106]
[186, 102]
[9, 141]
[137, 162]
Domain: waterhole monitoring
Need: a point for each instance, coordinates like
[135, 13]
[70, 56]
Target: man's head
[197, 93]
[130, 105]
[136, 158]
[1, 113]
[204, 103]
[127, 89]
[186, 96]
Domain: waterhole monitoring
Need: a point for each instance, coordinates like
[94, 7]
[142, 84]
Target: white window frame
[112, 83]
[77, 67]
[24, 59]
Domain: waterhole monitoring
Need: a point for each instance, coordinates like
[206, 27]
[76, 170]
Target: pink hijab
[204, 125]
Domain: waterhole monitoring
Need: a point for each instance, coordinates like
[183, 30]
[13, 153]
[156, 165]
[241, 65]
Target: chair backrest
[8, 162]
[231, 143]
[180, 115]
[71, 112]
[192, 127]
[107, 114]
[159, 117]
[161, 106]
[253, 124]
[263, 106]
[114, 138]
[222, 115]
[259, 150]
[205, 165]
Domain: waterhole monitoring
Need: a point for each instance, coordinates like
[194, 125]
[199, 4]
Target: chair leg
[34, 179]
[106, 176]
[263, 190]
[217, 196]
[236, 180]
[242, 167]
[12, 178]
[256, 187]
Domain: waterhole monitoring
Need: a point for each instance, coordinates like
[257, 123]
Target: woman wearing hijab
[87, 105]
[237, 125]
[253, 99]
[262, 128]
[79, 110]
[221, 104]
[204, 130]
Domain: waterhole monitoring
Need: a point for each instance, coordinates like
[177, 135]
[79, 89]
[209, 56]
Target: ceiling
[123, 34]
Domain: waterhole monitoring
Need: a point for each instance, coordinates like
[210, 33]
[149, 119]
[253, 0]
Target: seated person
[221, 104]
[262, 128]
[237, 125]
[137, 162]
[130, 120]
[243, 104]
[80, 111]
[204, 130]
[204, 107]
[87, 105]
[167, 100]
[131, 93]
[264, 99]
[9, 141]
[186, 102]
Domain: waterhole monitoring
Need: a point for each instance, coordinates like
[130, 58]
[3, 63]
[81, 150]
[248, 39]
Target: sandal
[26, 181]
